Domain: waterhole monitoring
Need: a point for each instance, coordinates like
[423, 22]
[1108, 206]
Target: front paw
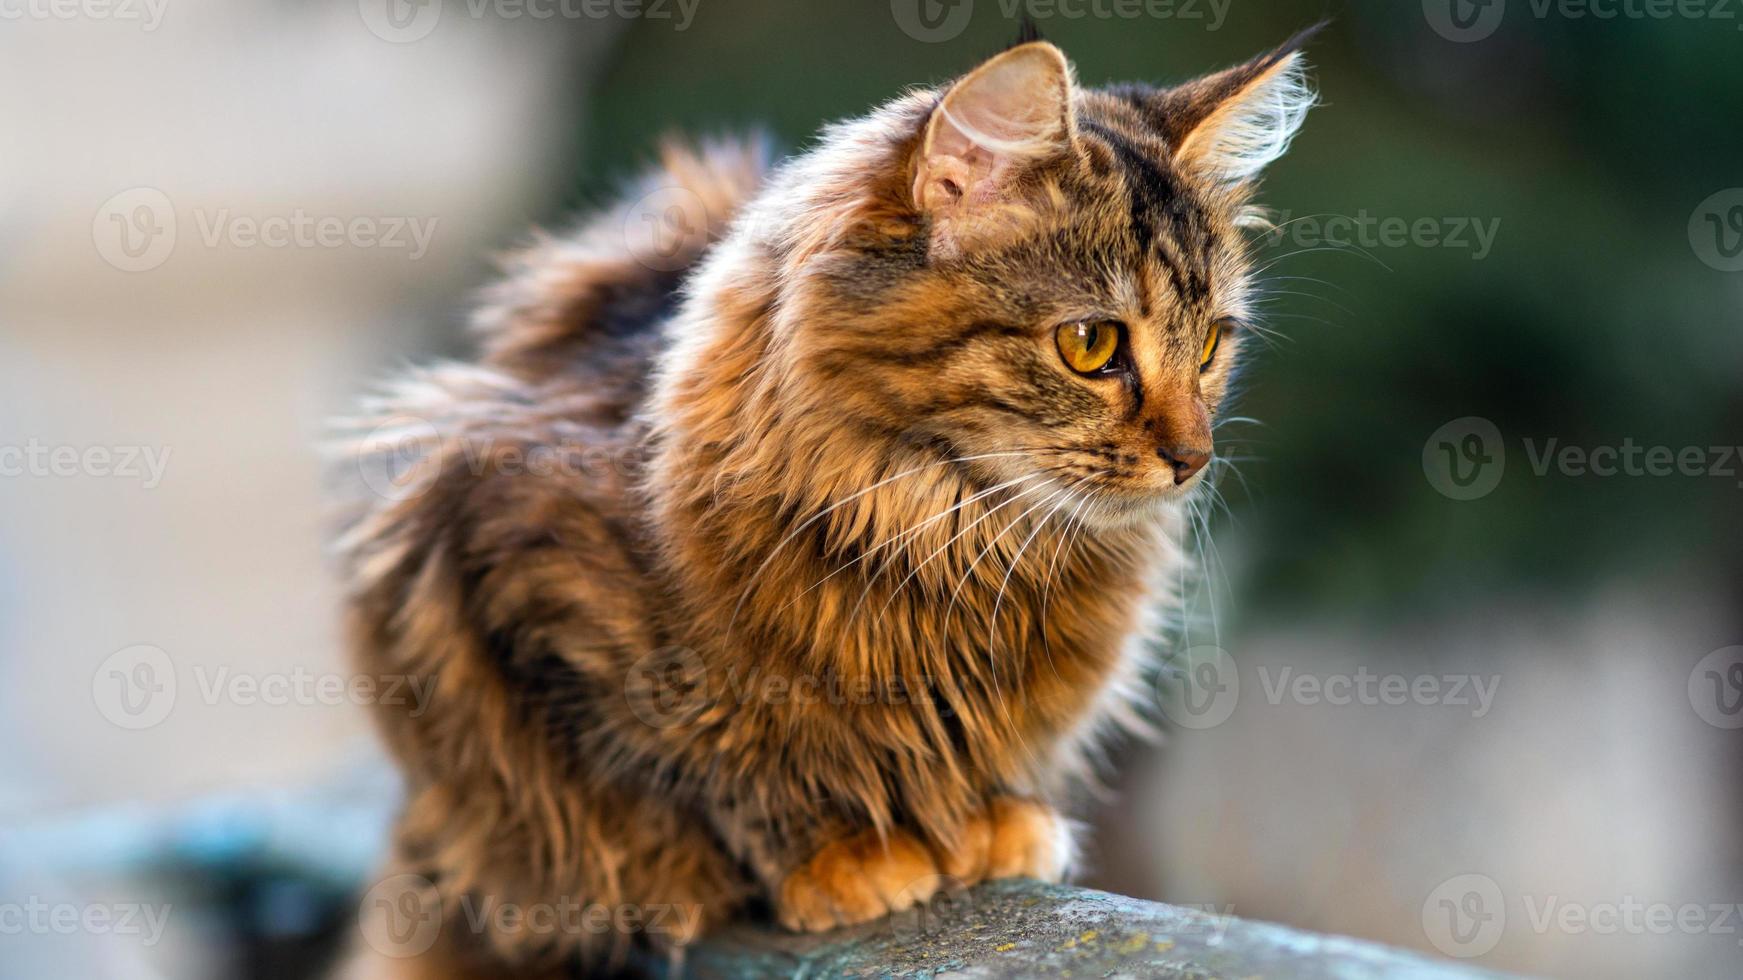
[858, 879]
[1018, 838]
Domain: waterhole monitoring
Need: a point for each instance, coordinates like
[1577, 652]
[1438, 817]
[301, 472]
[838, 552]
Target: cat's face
[1073, 324]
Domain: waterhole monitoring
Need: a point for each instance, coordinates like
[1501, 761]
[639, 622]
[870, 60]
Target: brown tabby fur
[699, 632]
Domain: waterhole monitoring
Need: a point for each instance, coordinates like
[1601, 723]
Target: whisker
[750, 583]
[941, 549]
[907, 533]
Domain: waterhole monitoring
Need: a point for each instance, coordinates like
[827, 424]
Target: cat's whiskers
[1269, 293]
[905, 534]
[750, 584]
[941, 549]
[999, 599]
[1074, 528]
[993, 659]
[1340, 249]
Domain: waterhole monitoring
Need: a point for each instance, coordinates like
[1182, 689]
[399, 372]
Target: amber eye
[1211, 343]
[1090, 346]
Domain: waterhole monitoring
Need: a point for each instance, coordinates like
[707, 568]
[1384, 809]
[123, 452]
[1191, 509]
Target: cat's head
[1047, 281]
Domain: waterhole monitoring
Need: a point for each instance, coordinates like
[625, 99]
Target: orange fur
[816, 582]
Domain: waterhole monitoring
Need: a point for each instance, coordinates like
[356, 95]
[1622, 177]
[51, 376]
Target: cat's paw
[858, 879]
[1024, 839]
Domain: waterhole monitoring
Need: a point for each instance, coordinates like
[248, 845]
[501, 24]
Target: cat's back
[586, 307]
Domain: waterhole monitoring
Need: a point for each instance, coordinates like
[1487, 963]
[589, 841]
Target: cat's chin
[1137, 506]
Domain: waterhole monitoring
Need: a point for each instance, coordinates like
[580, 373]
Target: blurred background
[1464, 671]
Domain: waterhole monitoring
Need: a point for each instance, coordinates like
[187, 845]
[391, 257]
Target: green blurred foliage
[1590, 142]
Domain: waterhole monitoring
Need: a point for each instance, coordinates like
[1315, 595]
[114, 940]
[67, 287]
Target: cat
[791, 552]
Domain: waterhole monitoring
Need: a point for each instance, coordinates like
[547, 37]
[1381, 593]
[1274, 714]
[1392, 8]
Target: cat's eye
[1211, 343]
[1088, 347]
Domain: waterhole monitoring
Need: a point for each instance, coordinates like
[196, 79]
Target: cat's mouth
[1125, 502]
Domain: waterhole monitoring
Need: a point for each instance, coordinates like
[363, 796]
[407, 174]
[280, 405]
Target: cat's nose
[1184, 460]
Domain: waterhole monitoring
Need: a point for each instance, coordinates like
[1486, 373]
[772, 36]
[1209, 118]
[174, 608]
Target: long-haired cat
[791, 552]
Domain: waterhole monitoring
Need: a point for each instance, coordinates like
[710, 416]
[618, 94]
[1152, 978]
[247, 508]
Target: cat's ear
[1231, 125]
[1011, 113]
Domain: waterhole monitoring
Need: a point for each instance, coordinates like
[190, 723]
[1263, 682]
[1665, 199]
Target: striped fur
[819, 498]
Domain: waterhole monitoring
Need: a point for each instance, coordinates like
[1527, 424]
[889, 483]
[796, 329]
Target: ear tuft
[1233, 124]
[1253, 129]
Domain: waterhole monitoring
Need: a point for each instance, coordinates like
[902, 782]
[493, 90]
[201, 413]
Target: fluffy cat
[793, 551]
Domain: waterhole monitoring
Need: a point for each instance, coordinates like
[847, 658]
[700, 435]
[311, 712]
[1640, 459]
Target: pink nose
[1184, 460]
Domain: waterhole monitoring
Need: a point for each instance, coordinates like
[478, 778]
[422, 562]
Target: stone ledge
[1029, 929]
